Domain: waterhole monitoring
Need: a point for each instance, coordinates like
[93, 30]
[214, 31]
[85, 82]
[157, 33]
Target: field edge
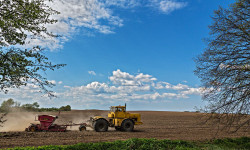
[154, 144]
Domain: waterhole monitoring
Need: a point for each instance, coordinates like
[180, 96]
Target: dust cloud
[18, 121]
[74, 118]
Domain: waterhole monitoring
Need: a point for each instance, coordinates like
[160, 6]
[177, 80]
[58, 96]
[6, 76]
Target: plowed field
[160, 125]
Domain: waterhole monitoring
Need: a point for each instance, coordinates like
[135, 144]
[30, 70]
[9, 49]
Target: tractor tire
[82, 128]
[118, 128]
[101, 125]
[127, 125]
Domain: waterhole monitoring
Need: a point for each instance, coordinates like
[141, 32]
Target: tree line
[11, 105]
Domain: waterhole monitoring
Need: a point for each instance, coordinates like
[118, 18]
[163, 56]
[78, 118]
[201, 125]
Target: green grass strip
[151, 144]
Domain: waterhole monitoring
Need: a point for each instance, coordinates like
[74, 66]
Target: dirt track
[160, 125]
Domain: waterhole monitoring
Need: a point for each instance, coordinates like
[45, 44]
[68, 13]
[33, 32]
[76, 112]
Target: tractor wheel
[82, 128]
[101, 125]
[118, 128]
[32, 129]
[127, 125]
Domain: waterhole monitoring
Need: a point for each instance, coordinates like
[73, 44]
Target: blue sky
[117, 51]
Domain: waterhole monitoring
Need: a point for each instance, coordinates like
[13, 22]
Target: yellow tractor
[119, 118]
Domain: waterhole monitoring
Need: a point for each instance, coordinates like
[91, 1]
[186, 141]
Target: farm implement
[47, 124]
[118, 118]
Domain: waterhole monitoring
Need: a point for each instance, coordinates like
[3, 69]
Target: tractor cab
[117, 112]
[118, 109]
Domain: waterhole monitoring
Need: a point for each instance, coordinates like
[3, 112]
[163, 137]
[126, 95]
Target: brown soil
[160, 125]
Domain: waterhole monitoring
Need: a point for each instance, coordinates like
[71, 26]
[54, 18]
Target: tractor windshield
[117, 109]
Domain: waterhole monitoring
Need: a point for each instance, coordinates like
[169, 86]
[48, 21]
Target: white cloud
[180, 87]
[162, 85]
[125, 79]
[128, 87]
[193, 91]
[167, 6]
[88, 16]
[123, 3]
[122, 86]
[52, 81]
[92, 73]
[26, 93]
[166, 85]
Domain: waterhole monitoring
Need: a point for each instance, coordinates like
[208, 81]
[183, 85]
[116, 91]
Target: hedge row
[150, 144]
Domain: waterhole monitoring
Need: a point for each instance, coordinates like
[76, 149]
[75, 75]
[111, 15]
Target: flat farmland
[156, 124]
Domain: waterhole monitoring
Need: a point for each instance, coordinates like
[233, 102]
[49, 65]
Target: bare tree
[224, 67]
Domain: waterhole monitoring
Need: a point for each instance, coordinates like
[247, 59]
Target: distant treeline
[11, 105]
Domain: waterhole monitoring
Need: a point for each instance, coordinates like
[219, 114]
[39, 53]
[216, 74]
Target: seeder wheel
[32, 129]
[82, 128]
